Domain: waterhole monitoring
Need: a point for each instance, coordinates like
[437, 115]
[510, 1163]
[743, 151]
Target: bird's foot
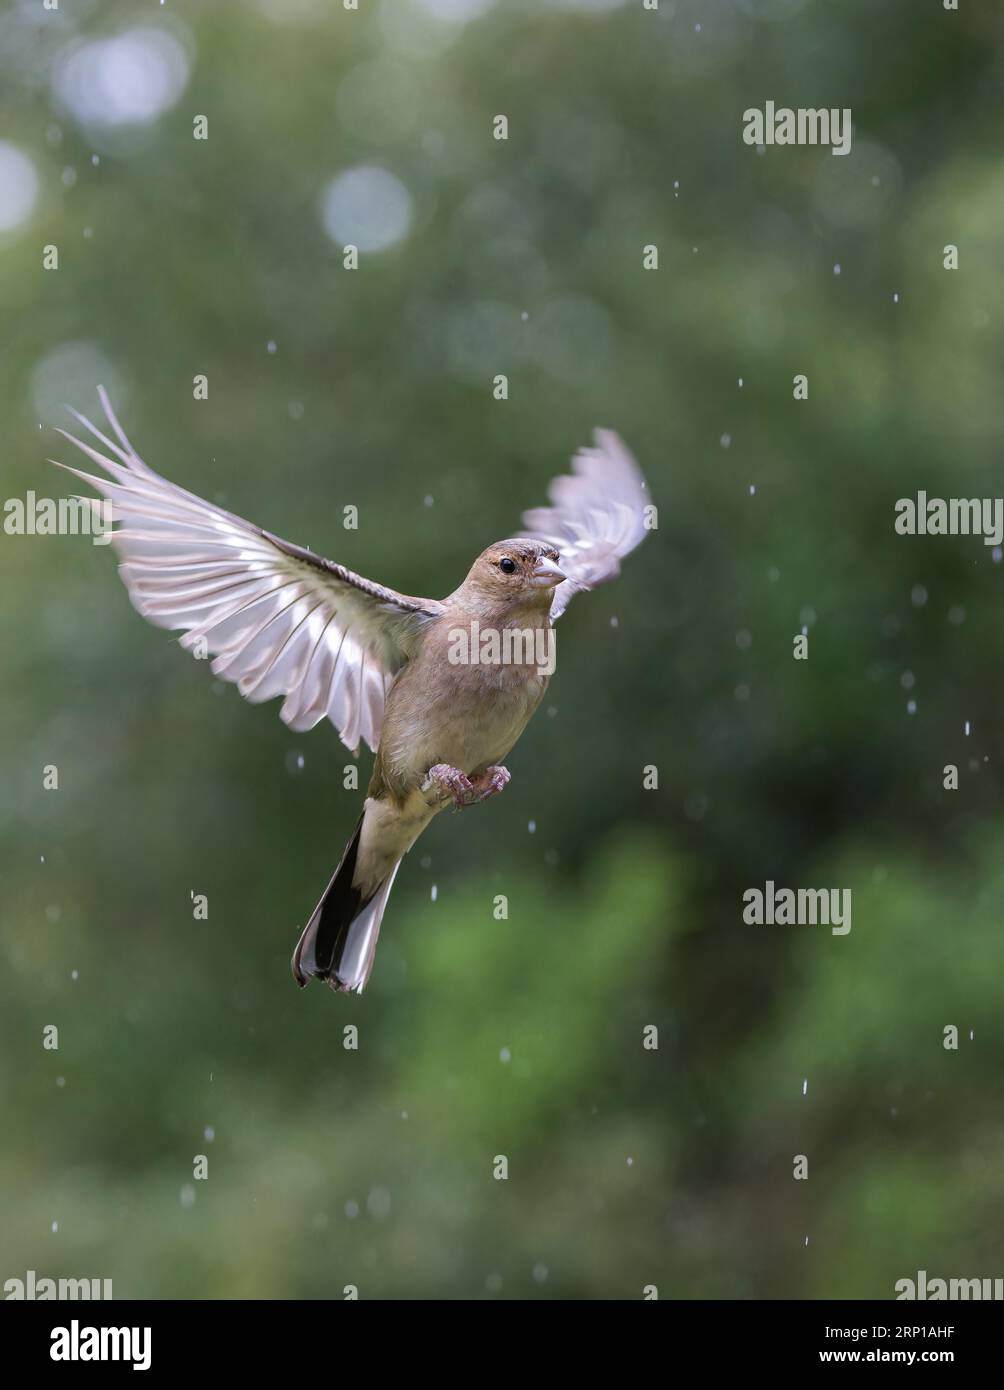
[451, 784]
[454, 785]
[490, 782]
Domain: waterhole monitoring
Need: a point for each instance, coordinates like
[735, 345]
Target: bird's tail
[339, 941]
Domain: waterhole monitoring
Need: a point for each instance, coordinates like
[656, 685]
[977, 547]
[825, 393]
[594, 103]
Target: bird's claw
[451, 784]
[492, 781]
[454, 785]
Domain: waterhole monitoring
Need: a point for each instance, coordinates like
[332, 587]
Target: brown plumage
[440, 689]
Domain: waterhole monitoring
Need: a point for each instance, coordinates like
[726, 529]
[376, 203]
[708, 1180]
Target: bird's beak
[546, 574]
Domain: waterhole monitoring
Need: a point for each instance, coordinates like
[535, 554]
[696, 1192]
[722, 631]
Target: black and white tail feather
[339, 942]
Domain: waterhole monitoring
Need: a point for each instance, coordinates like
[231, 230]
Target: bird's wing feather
[598, 516]
[278, 619]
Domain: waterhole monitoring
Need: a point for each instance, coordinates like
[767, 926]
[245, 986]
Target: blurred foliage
[628, 1167]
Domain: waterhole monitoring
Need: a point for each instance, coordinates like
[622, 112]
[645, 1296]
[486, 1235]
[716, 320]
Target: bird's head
[514, 573]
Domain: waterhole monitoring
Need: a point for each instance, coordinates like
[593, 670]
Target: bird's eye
[506, 565]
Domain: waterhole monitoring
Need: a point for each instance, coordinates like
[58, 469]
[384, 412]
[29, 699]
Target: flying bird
[439, 689]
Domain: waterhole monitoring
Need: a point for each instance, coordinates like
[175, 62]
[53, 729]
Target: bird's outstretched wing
[599, 515]
[279, 620]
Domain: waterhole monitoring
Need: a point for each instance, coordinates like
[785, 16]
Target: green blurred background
[178, 1037]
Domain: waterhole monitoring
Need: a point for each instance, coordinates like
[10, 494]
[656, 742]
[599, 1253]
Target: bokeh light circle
[18, 187]
[366, 207]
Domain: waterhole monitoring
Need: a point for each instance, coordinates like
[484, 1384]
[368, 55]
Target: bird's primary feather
[278, 619]
[599, 516]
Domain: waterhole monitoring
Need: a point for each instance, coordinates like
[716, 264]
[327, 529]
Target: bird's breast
[467, 714]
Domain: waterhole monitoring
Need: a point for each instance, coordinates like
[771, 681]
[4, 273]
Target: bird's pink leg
[490, 782]
[452, 784]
